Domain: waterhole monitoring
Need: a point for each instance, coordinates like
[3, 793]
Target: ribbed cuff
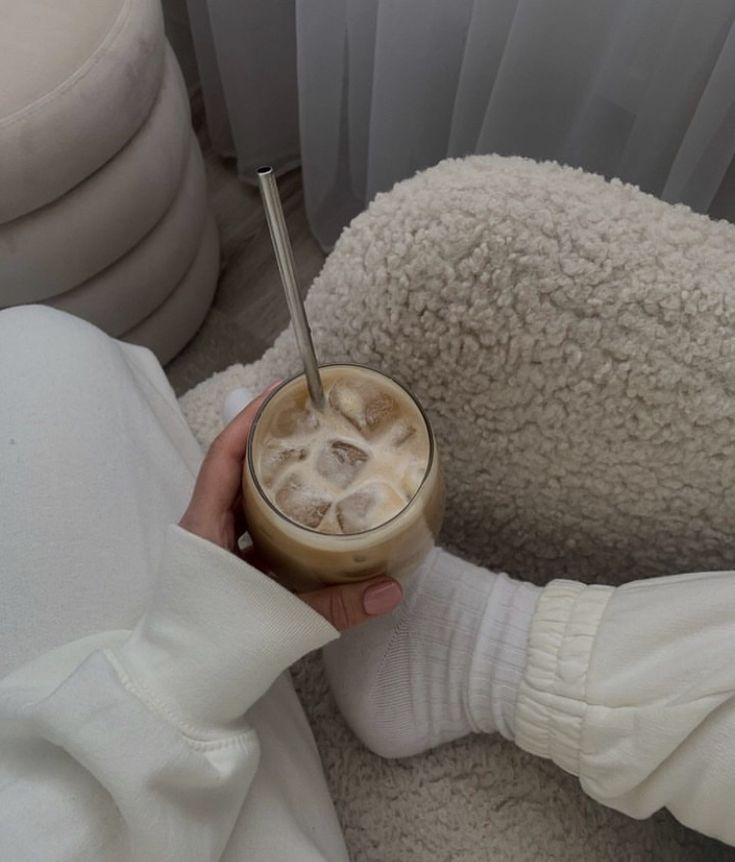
[216, 635]
[552, 696]
[499, 657]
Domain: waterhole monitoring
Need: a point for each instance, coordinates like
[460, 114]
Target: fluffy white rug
[572, 341]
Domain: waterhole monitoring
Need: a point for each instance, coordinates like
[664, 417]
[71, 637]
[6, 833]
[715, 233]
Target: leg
[448, 661]
[289, 786]
[95, 460]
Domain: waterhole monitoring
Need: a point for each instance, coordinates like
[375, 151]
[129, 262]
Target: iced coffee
[344, 493]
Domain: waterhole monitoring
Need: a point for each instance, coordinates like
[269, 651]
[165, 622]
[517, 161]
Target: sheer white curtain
[366, 92]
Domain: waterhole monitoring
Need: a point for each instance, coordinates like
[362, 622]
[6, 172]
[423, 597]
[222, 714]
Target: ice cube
[370, 506]
[346, 400]
[341, 462]
[401, 432]
[365, 405]
[379, 409]
[412, 478]
[294, 420]
[301, 503]
[276, 456]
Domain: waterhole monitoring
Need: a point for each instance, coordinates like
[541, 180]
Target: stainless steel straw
[284, 256]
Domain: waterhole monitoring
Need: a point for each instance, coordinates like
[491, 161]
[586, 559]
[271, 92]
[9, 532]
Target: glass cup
[303, 558]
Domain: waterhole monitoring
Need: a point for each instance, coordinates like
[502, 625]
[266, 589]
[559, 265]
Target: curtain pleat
[367, 92]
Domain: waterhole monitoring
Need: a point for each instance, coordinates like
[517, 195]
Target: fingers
[348, 605]
[220, 476]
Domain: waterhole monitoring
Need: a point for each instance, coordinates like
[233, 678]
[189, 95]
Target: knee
[32, 334]
[31, 319]
[40, 329]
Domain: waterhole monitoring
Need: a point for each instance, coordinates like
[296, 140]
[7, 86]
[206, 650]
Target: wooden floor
[249, 308]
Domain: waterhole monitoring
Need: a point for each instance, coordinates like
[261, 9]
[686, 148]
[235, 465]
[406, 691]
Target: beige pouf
[104, 210]
[181, 313]
[131, 288]
[60, 245]
[77, 80]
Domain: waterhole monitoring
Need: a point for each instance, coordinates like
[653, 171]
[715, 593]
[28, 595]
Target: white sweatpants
[96, 461]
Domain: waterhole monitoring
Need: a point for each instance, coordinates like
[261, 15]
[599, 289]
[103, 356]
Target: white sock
[448, 661]
[235, 401]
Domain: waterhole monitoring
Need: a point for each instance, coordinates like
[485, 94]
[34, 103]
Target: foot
[447, 662]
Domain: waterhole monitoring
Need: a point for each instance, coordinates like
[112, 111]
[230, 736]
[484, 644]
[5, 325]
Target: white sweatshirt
[133, 745]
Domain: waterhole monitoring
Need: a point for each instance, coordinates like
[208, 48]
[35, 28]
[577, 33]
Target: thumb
[348, 605]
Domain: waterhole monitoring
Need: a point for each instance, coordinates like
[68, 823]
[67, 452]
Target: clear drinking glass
[304, 558]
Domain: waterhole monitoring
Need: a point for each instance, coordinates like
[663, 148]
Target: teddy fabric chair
[571, 340]
[103, 205]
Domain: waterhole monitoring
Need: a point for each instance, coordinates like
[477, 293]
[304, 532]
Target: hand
[216, 514]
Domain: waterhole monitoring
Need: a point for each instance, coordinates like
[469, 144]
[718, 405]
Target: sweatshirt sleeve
[136, 745]
[633, 690]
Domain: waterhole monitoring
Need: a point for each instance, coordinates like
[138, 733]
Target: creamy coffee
[345, 494]
[349, 468]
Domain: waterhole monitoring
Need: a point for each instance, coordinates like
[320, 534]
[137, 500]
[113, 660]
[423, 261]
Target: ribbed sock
[447, 662]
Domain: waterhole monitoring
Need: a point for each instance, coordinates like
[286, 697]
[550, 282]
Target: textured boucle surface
[572, 342]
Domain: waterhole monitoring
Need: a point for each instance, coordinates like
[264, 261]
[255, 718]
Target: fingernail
[381, 597]
[272, 386]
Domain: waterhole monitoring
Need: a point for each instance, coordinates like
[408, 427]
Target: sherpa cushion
[572, 341]
[77, 79]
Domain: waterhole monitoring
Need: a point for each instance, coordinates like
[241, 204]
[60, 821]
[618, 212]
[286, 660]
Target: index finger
[219, 478]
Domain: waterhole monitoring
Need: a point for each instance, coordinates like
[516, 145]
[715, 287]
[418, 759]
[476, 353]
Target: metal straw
[284, 256]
